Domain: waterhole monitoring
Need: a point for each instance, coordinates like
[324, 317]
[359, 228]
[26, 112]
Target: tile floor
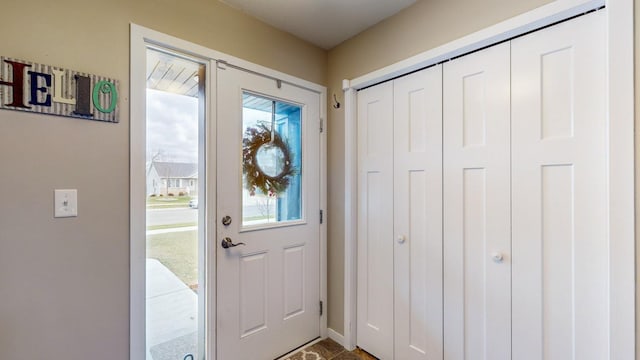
[328, 349]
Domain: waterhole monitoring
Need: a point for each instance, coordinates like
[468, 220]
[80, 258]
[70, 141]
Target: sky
[172, 127]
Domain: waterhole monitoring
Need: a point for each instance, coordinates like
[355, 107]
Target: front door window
[271, 161]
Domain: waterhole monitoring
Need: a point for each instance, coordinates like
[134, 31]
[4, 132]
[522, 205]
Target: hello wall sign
[32, 87]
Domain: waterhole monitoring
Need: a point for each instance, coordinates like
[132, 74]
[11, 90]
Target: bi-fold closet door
[477, 221]
[560, 192]
[522, 204]
[400, 218]
[525, 197]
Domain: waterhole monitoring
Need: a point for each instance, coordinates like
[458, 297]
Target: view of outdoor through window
[172, 266]
[272, 161]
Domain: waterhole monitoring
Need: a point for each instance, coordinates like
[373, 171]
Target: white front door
[268, 204]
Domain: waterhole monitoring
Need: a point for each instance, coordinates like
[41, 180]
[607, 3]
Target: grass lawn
[168, 201]
[178, 251]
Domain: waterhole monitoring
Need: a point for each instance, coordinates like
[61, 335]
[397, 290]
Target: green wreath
[255, 177]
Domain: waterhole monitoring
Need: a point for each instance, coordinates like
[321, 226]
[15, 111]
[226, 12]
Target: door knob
[401, 239]
[228, 243]
[497, 257]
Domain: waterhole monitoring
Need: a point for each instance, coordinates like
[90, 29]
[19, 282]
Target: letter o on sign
[105, 87]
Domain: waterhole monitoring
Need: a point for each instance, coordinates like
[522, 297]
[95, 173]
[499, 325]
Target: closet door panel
[477, 275]
[375, 220]
[418, 215]
[560, 207]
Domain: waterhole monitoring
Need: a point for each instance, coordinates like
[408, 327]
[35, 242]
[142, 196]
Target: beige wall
[64, 283]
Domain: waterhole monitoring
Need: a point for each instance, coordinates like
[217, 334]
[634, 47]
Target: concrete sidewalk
[172, 314]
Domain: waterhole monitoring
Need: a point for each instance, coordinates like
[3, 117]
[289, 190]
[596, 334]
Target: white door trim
[621, 146]
[140, 37]
[137, 208]
[622, 180]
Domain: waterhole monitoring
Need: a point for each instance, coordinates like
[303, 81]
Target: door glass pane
[174, 116]
[271, 161]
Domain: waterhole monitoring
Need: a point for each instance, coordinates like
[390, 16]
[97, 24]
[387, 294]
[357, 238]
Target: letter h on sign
[17, 85]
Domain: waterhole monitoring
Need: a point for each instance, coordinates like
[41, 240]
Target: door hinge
[321, 216]
[222, 64]
[321, 125]
[321, 310]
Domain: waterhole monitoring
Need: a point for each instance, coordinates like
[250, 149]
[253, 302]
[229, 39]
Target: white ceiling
[325, 23]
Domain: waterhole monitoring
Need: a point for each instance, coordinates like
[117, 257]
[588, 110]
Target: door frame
[620, 55]
[140, 38]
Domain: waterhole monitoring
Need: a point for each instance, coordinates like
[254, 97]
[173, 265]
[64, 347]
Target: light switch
[66, 203]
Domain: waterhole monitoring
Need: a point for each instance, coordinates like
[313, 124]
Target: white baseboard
[335, 336]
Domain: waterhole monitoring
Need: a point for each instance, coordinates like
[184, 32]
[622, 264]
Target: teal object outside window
[289, 207]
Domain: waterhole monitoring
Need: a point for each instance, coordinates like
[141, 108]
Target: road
[171, 216]
[184, 215]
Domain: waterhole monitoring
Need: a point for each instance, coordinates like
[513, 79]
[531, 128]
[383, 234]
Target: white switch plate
[65, 203]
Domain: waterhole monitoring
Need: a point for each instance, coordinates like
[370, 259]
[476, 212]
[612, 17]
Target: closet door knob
[497, 257]
[401, 239]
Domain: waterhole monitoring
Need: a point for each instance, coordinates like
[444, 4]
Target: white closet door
[375, 220]
[477, 231]
[560, 186]
[418, 215]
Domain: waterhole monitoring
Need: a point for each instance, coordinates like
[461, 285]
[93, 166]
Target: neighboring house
[165, 178]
